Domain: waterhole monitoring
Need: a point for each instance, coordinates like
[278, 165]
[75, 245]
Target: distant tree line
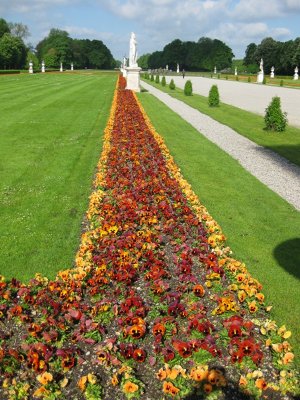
[284, 56]
[58, 47]
[203, 55]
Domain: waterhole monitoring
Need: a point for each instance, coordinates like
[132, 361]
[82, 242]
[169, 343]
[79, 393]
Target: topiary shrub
[157, 79]
[213, 97]
[275, 119]
[226, 77]
[172, 85]
[264, 81]
[152, 78]
[163, 81]
[249, 78]
[281, 82]
[237, 78]
[188, 88]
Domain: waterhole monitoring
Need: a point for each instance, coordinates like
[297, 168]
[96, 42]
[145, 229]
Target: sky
[157, 22]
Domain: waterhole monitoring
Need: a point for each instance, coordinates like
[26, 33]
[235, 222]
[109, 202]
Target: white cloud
[29, 6]
[87, 33]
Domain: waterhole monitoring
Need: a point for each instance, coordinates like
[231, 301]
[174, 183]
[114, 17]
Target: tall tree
[173, 53]
[250, 54]
[156, 60]
[19, 30]
[269, 50]
[12, 52]
[4, 28]
[143, 61]
[56, 48]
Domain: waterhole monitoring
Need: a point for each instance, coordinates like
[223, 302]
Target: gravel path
[271, 169]
[248, 96]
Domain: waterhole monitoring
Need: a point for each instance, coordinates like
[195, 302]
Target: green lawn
[262, 229]
[248, 124]
[51, 129]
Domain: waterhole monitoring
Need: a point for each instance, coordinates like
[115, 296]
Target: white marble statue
[133, 51]
[61, 67]
[167, 67]
[272, 72]
[215, 70]
[72, 67]
[177, 68]
[235, 71]
[260, 75]
[296, 76]
[30, 67]
[43, 66]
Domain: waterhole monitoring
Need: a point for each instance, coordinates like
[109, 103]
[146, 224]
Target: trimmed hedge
[9, 71]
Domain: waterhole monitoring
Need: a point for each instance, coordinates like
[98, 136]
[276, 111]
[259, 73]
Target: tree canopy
[58, 48]
[284, 56]
[12, 48]
[203, 55]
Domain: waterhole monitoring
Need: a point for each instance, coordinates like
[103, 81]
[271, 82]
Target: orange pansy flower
[198, 290]
[170, 389]
[130, 387]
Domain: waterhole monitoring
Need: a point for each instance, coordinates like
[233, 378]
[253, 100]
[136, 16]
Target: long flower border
[155, 294]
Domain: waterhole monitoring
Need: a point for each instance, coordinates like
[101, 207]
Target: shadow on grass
[289, 152]
[284, 156]
[288, 256]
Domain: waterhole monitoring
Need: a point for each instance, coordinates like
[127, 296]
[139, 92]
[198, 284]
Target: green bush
[264, 81]
[157, 79]
[152, 78]
[188, 88]
[226, 77]
[172, 84]
[146, 75]
[219, 76]
[163, 81]
[237, 78]
[249, 78]
[213, 97]
[275, 119]
[281, 82]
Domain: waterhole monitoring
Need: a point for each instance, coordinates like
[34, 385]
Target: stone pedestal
[133, 78]
[260, 77]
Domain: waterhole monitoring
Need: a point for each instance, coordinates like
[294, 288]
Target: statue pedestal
[296, 76]
[260, 77]
[133, 78]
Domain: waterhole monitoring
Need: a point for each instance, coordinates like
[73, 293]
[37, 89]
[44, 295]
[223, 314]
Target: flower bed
[156, 307]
